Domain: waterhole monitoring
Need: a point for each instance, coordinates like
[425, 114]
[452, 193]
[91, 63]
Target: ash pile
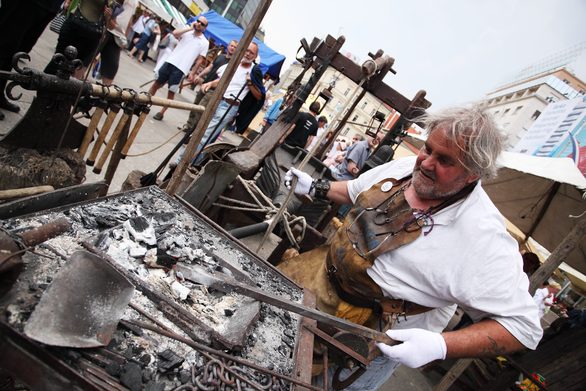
[236, 342]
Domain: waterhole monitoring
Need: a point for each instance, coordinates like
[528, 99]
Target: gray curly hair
[474, 132]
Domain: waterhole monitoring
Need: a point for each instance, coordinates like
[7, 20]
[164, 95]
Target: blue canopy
[223, 31]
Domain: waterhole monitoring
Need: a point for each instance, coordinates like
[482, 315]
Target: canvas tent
[539, 195]
[223, 31]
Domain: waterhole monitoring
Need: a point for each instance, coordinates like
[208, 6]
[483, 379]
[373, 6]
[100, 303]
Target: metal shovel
[82, 306]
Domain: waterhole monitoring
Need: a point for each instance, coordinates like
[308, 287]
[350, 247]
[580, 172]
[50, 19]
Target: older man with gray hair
[421, 238]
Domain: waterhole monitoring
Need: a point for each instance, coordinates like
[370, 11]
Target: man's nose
[428, 163]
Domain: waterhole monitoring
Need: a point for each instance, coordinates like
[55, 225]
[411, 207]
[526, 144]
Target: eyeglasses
[338, 139]
[355, 139]
[202, 23]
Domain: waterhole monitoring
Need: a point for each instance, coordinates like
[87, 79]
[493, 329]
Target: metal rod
[204, 348]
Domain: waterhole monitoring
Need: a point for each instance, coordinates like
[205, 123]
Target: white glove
[419, 347]
[304, 181]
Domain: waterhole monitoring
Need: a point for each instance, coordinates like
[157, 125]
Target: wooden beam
[211, 107]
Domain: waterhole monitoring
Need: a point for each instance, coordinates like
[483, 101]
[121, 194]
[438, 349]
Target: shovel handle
[110, 146]
[134, 133]
[90, 131]
[45, 232]
[103, 133]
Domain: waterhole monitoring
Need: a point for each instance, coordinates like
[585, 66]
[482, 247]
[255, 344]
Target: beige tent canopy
[543, 197]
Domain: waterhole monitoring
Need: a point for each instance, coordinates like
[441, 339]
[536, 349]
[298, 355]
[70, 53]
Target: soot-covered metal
[221, 340]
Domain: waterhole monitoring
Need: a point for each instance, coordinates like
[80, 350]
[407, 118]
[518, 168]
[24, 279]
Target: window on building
[346, 92]
[364, 105]
[506, 112]
[496, 112]
[355, 118]
[517, 109]
[536, 114]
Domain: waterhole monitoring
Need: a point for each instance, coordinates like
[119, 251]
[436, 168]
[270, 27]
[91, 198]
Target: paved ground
[163, 135]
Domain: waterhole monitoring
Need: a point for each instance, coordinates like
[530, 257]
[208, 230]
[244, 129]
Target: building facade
[517, 104]
[341, 89]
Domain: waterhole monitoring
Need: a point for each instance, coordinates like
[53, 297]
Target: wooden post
[558, 255]
[206, 118]
[453, 374]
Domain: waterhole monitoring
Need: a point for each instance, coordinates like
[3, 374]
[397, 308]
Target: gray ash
[182, 237]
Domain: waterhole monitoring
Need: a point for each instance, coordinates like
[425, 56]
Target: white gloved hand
[419, 347]
[304, 181]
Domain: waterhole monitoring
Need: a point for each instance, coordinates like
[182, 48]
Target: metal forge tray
[274, 342]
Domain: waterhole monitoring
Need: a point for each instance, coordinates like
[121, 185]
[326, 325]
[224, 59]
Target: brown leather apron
[381, 220]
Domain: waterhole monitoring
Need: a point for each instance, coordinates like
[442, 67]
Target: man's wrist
[321, 187]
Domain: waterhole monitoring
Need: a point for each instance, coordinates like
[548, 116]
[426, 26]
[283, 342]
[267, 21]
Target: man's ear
[472, 178]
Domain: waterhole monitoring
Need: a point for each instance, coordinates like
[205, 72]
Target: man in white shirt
[239, 86]
[421, 238]
[192, 46]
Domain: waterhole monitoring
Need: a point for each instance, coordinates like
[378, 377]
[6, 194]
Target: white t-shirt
[187, 50]
[467, 259]
[543, 299]
[238, 80]
[138, 26]
[317, 135]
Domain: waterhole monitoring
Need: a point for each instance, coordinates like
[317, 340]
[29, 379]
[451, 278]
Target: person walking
[192, 47]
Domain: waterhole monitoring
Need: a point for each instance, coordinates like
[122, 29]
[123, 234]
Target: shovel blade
[82, 306]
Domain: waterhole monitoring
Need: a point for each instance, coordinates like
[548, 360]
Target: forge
[219, 339]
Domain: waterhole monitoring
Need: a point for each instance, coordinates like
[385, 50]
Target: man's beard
[428, 190]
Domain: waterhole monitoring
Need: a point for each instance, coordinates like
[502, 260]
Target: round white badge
[386, 186]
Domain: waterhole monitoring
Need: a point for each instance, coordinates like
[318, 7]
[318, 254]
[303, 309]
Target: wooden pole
[206, 118]
[560, 253]
[127, 96]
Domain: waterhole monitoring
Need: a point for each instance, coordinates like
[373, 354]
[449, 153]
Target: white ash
[182, 235]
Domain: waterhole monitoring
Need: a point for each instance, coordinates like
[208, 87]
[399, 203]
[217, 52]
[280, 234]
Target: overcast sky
[456, 50]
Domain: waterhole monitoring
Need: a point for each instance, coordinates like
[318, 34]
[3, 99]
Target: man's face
[250, 54]
[231, 47]
[438, 173]
[200, 25]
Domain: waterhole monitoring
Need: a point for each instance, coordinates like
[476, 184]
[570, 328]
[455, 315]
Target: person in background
[82, 29]
[322, 122]
[544, 298]
[207, 75]
[137, 28]
[272, 114]
[356, 155]
[530, 262]
[421, 238]
[302, 132]
[240, 85]
[357, 138]
[21, 25]
[109, 49]
[192, 47]
[151, 29]
[166, 46]
[335, 151]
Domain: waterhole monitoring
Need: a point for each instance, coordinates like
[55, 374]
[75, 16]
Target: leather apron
[381, 220]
